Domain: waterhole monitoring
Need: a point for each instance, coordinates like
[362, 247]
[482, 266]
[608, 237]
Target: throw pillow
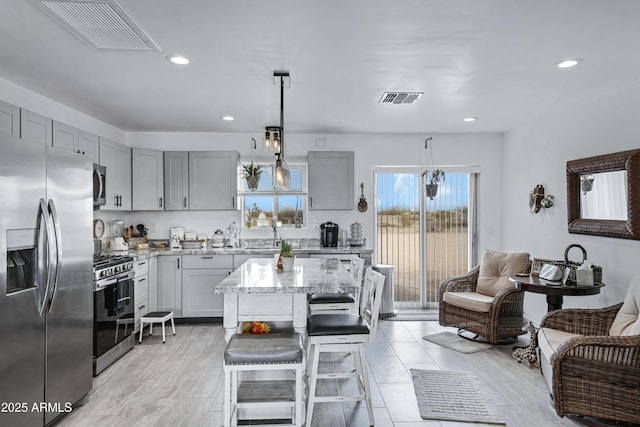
[495, 269]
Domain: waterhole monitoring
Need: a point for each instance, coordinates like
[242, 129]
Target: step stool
[157, 317]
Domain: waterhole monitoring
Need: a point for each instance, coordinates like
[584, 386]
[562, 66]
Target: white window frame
[275, 193]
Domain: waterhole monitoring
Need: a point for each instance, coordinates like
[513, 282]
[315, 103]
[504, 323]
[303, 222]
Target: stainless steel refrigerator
[46, 283]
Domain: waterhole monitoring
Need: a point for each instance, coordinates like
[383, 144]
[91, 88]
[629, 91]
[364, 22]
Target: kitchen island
[257, 291]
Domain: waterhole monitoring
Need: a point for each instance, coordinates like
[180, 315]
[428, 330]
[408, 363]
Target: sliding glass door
[426, 239]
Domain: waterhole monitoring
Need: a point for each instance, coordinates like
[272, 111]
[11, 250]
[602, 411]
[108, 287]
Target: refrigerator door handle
[58, 252]
[49, 244]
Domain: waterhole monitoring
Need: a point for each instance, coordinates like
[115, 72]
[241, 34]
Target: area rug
[454, 342]
[453, 396]
[414, 314]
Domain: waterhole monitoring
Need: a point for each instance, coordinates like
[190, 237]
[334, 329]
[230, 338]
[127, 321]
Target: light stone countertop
[141, 254]
[309, 275]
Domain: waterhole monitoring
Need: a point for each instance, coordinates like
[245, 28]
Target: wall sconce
[537, 199]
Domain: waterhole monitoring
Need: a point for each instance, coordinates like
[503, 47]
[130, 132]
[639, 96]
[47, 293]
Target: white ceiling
[493, 59]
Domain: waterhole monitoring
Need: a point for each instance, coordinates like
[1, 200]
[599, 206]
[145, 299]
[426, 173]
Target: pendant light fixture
[281, 174]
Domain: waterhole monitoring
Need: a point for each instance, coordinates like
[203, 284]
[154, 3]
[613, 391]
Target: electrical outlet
[152, 228]
[316, 226]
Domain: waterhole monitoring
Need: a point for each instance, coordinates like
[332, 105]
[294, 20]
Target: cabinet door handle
[141, 307]
[142, 279]
[115, 200]
[207, 257]
[178, 263]
[160, 202]
[233, 202]
[310, 202]
[184, 203]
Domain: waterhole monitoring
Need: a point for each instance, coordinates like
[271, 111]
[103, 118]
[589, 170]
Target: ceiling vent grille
[102, 24]
[400, 97]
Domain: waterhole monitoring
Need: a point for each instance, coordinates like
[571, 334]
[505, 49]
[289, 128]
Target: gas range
[107, 267]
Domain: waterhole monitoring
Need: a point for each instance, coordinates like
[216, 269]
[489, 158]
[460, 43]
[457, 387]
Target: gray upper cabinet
[9, 119]
[331, 182]
[200, 180]
[89, 145]
[148, 180]
[34, 127]
[176, 180]
[213, 183]
[117, 159]
[65, 137]
[69, 138]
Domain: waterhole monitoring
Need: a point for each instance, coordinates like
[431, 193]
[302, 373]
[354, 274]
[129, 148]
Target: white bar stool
[157, 317]
[263, 353]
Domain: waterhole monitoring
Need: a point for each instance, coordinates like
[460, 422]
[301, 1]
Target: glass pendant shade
[281, 175]
[272, 139]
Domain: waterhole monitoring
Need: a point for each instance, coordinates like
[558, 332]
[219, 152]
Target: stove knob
[117, 269]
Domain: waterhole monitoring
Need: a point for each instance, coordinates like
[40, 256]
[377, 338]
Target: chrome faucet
[276, 241]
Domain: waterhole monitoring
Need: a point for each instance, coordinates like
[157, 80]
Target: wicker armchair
[590, 372]
[493, 315]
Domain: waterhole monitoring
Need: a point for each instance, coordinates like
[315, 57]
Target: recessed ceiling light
[568, 63]
[179, 60]
[470, 119]
[228, 118]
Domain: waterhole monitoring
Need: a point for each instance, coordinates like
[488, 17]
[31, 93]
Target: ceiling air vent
[400, 97]
[102, 24]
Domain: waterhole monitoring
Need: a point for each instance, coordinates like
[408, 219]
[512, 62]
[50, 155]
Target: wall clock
[98, 228]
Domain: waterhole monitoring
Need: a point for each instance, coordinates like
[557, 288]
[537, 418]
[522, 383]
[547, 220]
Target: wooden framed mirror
[603, 195]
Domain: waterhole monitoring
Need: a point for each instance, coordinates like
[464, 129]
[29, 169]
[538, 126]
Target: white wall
[483, 150]
[537, 154]
[24, 98]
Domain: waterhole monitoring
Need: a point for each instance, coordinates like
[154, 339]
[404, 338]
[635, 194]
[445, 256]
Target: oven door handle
[113, 280]
[124, 299]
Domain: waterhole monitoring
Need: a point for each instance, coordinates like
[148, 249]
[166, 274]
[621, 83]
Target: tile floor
[179, 383]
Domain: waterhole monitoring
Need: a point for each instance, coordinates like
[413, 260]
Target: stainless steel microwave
[99, 185]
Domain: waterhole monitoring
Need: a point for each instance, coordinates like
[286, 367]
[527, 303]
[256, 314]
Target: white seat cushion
[627, 321]
[469, 300]
[550, 339]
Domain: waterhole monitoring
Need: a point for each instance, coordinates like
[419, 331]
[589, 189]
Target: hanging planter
[252, 175]
[432, 179]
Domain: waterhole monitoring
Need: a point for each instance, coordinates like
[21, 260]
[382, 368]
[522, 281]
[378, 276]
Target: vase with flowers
[251, 213]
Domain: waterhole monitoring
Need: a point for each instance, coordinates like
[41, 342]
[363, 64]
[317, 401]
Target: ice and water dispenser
[22, 260]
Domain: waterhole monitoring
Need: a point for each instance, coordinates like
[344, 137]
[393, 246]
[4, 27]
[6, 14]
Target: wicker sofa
[483, 301]
[590, 359]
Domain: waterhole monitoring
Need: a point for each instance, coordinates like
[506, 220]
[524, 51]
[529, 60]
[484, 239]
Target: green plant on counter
[286, 250]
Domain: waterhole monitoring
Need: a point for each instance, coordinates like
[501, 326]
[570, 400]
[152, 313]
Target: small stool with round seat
[157, 317]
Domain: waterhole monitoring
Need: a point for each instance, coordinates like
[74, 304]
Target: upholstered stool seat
[337, 302]
[336, 324]
[157, 317]
[280, 351]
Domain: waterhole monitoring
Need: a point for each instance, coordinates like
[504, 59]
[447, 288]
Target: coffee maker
[329, 232]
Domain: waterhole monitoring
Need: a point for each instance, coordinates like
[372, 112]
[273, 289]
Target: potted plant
[251, 213]
[432, 179]
[252, 175]
[286, 256]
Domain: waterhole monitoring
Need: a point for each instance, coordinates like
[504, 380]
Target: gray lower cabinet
[140, 291]
[331, 179]
[9, 119]
[35, 127]
[153, 284]
[170, 284]
[147, 180]
[200, 274]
